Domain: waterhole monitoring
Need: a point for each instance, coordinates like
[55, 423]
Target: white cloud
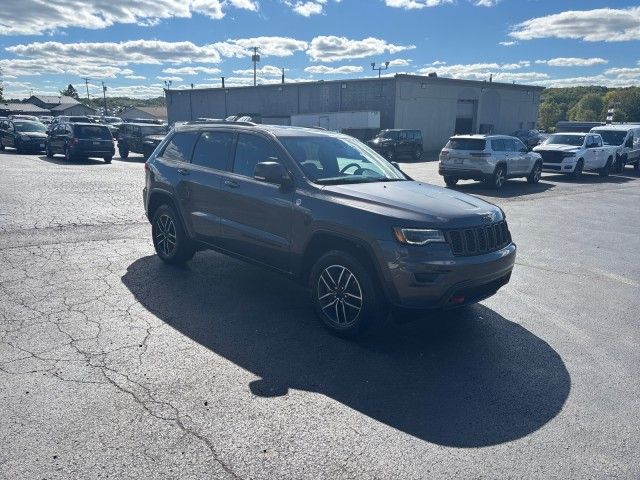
[191, 70]
[506, 72]
[573, 62]
[265, 70]
[325, 70]
[269, 46]
[400, 62]
[599, 25]
[415, 4]
[170, 78]
[35, 17]
[333, 49]
[135, 77]
[509, 43]
[306, 8]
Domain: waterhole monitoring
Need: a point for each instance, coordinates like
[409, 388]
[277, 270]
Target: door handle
[231, 184]
[183, 171]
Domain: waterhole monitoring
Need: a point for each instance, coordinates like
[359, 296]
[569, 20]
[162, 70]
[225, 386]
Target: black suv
[23, 135]
[326, 210]
[393, 144]
[140, 138]
[80, 140]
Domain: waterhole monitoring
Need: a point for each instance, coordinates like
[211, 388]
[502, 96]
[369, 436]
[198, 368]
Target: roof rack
[217, 122]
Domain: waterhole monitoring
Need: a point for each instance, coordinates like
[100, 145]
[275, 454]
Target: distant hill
[588, 104]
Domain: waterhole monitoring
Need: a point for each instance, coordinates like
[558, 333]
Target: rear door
[256, 216]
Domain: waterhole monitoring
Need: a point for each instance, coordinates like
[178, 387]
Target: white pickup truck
[573, 153]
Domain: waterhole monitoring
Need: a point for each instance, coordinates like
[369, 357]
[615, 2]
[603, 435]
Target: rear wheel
[108, 159]
[636, 166]
[124, 153]
[1, 145]
[417, 153]
[170, 240]
[499, 177]
[48, 151]
[450, 181]
[604, 171]
[344, 294]
[67, 154]
[577, 171]
[390, 154]
[536, 173]
[18, 146]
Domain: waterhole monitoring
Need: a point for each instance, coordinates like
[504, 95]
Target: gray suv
[325, 209]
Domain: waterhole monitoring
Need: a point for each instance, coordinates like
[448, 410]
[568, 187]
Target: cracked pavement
[113, 365]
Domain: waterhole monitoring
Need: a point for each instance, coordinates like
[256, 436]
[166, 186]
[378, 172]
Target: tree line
[588, 104]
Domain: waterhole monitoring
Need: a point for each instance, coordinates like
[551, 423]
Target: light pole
[380, 68]
[167, 86]
[104, 96]
[255, 58]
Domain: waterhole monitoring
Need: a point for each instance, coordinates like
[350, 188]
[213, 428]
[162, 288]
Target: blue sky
[134, 47]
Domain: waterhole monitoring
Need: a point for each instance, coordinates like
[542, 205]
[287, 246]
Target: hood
[419, 202]
[553, 147]
[154, 138]
[34, 134]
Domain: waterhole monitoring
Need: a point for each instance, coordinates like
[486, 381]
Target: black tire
[337, 280]
[124, 153]
[450, 181]
[417, 153]
[536, 173]
[577, 171]
[48, 152]
[67, 155]
[108, 159]
[165, 227]
[1, 146]
[606, 170]
[636, 166]
[18, 145]
[499, 177]
[390, 155]
[620, 164]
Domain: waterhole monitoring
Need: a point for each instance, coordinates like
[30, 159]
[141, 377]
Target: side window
[214, 150]
[598, 141]
[519, 145]
[497, 145]
[252, 150]
[179, 147]
[418, 135]
[510, 145]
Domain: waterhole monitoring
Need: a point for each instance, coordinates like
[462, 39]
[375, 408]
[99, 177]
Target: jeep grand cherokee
[327, 210]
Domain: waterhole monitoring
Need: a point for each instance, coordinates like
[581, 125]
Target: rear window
[89, 131]
[180, 147]
[473, 144]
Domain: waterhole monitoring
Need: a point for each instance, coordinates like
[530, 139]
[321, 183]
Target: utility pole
[255, 58]
[104, 96]
[86, 83]
[283, 75]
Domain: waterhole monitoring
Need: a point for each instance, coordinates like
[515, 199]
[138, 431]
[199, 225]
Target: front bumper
[564, 167]
[33, 145]
[432, 277]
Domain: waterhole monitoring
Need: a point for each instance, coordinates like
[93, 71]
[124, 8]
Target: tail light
[74, 141]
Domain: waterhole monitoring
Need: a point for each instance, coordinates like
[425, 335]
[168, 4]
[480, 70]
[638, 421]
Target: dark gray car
[327, 210]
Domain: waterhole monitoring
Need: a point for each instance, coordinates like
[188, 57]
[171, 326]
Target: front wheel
[18, 146]
[417, 154]
[577, 171]
[344, 294]
[124, 153]
[1, 145]
[536, 173]
[604, 171]
[170, 240]
[636, 166]
[67, 154]
[450, 181]
[48, 151]
[108, 159]
[390, 155]
[499, 177]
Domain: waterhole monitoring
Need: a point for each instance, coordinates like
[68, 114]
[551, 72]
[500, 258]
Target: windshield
[89, 131]
[154, 130]
[560, 139]
[612, 137]
[388, 134]
[338, 160]
[30, 127]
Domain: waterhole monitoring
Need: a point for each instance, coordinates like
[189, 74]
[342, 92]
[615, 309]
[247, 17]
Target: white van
[626, 139]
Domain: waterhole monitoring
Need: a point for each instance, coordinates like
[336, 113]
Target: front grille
[478, 240]
[551, 157]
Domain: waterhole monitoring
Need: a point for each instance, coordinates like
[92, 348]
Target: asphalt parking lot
[113, 365]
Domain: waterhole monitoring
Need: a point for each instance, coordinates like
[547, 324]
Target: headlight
[414, 236]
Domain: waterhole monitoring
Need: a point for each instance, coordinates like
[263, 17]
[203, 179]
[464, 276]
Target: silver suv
[489, 158]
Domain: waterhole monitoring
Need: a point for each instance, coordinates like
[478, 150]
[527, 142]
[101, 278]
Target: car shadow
[511, 188]
[60, 160]
[592, 178]
[469, 379]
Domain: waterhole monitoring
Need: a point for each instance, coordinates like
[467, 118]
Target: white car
[489, 158]
[626, 139]
[574, 153]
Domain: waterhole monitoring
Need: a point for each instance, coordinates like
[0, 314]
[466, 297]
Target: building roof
[55, 99]
[62, 107]
[22, 107]
[158, 112]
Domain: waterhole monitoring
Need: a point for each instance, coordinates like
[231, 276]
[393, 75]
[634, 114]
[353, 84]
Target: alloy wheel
[499, 178]
[537, 173]
[165, 235]
[340, 295]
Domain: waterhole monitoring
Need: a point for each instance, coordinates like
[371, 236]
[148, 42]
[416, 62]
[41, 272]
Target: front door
[256, 216]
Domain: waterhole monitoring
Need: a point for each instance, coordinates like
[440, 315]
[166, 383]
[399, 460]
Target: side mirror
[629, 143]
[272, 172]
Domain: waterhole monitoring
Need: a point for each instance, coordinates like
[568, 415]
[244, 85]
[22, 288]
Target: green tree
[588, 109]
[550, 114]
[70, 91]
[626, 102]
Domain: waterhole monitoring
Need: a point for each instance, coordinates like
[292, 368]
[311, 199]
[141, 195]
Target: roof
[62, 107]
[619, 127]
[276, 130]
[158, 112]
[55, 99]
[23, 107]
